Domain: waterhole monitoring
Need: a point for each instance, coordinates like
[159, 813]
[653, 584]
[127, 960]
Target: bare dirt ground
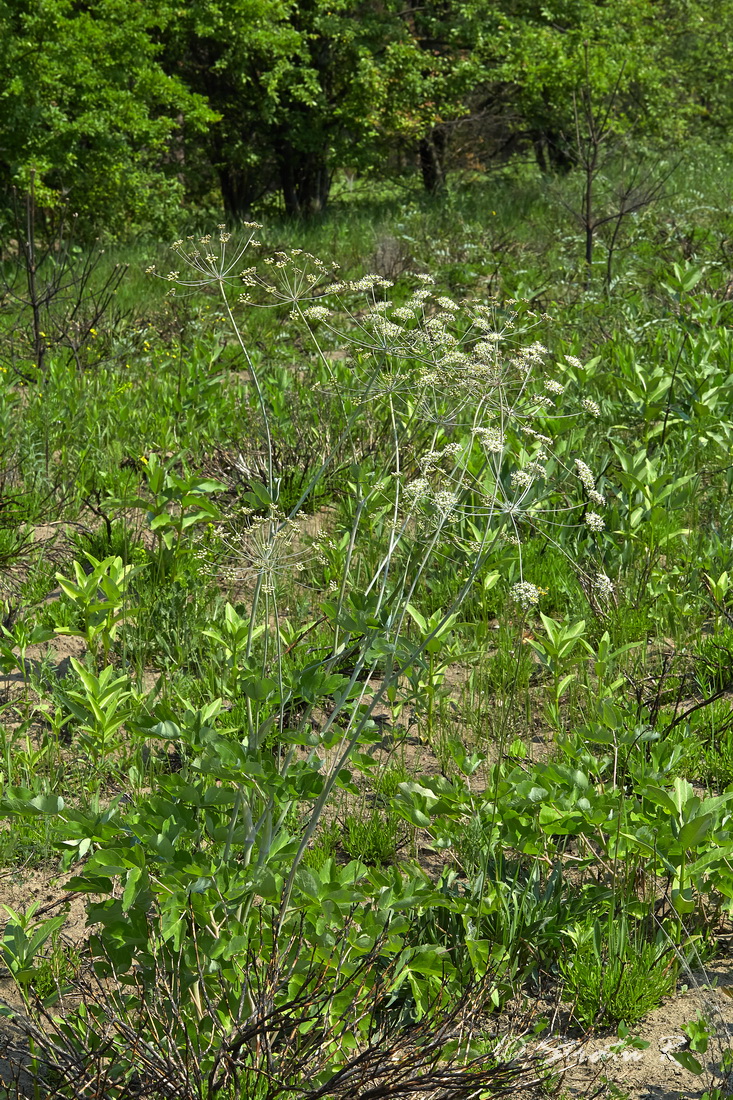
[55, 654]
[598, 1066]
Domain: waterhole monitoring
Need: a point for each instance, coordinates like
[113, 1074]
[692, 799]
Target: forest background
[128, 110]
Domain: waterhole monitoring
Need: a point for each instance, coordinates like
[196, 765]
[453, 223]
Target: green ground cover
[367, 641]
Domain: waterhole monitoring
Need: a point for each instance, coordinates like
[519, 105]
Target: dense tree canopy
[129, 107]
[85, 103]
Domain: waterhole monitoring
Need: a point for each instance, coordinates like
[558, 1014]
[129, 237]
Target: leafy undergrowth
[367, 662]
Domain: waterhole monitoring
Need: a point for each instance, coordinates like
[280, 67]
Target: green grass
[371, 837]
[616, 977]
[580, 732]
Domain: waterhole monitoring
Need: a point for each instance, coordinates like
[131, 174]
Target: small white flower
[593, 521]
[417, 490]
[585, 474]
[370, 282]
[429, 460]
[535, 435]
[445, 501]
[536, 469]
[386, 329]
[603, 586]
[525, 594]
[521, 479]
[490, 439]
[316, 313]
[485, 350]
[591, 406]
[418, 297]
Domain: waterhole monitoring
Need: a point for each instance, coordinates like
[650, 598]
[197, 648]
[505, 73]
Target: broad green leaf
[258, 688]
[694, 831]
[131, 887]
[688, 1061]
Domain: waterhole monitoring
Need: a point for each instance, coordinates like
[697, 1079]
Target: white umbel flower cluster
[525, 594]
[603, 586]
[585, 474]
[490, 439]
[594, 522]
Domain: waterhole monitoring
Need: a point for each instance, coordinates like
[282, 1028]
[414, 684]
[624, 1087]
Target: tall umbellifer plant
[202, 882]
[463, 397]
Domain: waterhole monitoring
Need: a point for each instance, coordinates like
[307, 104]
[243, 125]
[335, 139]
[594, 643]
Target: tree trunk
[538, 141]
[237, 191]
[551, 152]
[432, 153]
[305, 181]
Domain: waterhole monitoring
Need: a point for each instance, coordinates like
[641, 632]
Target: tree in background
[301, 88]
[125, 108]
[86, 106]
[540, 58]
